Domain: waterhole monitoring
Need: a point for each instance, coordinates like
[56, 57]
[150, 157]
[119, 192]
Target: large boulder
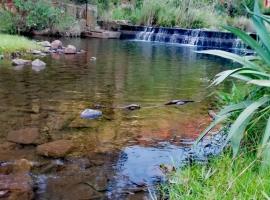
[56, 149]
[24, 136]
[56, 44]
[70, 49]
[18, 61]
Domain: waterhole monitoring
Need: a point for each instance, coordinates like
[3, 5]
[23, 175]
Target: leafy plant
[254, 109]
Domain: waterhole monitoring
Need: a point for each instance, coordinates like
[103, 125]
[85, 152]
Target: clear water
[129, 145]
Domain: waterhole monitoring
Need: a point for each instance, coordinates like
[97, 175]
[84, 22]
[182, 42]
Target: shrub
[7, 22]
[34, 15]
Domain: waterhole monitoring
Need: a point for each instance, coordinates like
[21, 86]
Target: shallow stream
[118, 155]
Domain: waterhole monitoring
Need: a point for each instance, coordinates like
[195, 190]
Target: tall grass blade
[237, 130]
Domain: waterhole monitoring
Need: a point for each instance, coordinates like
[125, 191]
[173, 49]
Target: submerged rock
[17, 183]
[24, 136]
[179, 102]
[17, 186]
[56, 149]
[91, 114]
[132, 107]
[18, 61]
[70, 49]
[207, 147]
[56, 44]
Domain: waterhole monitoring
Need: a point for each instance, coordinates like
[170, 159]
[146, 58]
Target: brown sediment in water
[107, 151]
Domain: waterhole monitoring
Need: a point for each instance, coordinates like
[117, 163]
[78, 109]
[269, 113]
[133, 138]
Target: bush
[7, 22]
[34, 15]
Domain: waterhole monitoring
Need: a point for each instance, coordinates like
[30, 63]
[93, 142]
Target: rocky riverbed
[87, 177]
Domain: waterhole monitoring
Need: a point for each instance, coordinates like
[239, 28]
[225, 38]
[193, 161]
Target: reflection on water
[125, 72]
[139, 166]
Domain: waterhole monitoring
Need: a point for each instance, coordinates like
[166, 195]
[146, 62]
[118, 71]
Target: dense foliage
[182, 13]
[248, 115]
[33, 15]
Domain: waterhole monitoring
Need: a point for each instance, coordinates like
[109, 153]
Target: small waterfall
[195, 37]
[146, 35]
[238, 44]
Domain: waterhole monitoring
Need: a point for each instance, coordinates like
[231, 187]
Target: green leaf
[234, 57]
[223, 75]
[217, 121]
[266, 157]
[236, 132]
[234, 107]
[241, 77]
[262, 83]
[266, 135]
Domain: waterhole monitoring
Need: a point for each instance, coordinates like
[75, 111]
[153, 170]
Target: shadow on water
[120, 152]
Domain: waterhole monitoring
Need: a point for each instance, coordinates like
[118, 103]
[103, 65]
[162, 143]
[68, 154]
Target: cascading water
[146, 35]
[193, 37]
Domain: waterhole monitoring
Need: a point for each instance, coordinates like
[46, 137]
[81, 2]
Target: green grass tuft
[13, 43]
[222, 179]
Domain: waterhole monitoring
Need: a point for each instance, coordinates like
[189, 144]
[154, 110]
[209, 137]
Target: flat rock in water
[24, 136]
[56, 149]
[18, 61]
[70, 49]
[133, 107]
[91, 114]
[179, 102]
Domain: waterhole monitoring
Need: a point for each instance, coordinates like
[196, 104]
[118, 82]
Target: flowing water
[117, 156]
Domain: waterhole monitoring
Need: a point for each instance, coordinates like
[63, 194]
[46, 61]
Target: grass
[223, 178]
[13, 43]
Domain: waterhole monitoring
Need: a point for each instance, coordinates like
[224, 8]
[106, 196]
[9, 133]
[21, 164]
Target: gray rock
[45, 44]
[70, 49]
[24, 136]
[56, 44]
[20, 62]
[36, 52]
[38, 63]
[56, 149]
[91, 114]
